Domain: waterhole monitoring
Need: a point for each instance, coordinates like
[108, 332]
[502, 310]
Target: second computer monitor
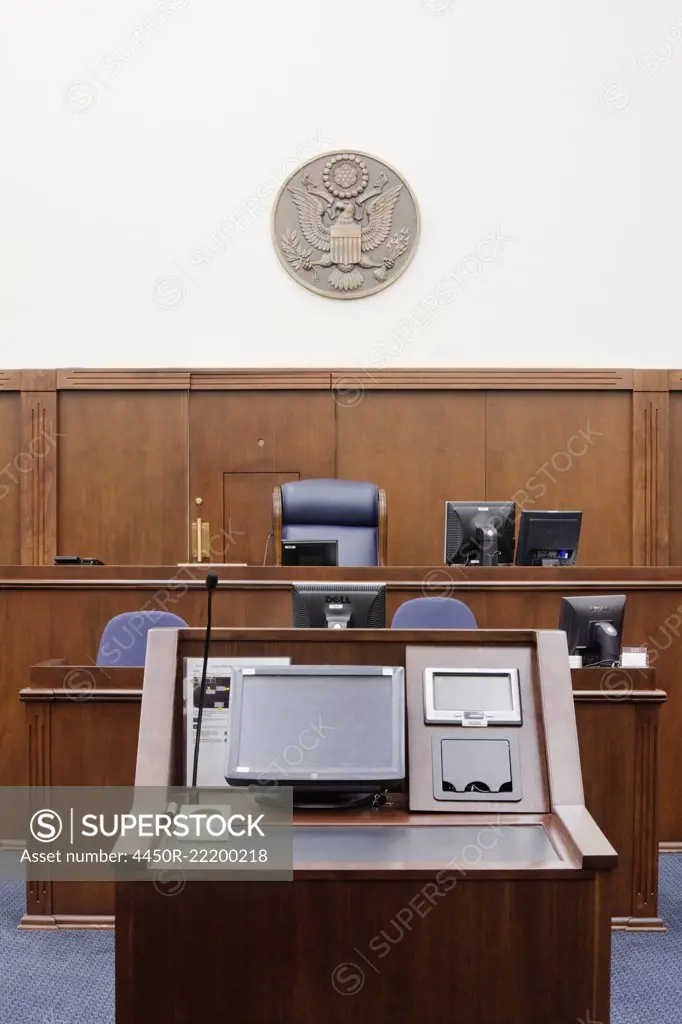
[310, 552]
[594, 627]
[548, 538]
[479, 532]
[339, 605]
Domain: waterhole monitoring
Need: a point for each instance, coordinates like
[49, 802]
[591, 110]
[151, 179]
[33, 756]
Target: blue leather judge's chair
[124, 640]
[434, 613]
[347, 511]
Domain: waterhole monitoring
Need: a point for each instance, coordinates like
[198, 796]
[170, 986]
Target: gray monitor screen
[472, 693]
[301, 723]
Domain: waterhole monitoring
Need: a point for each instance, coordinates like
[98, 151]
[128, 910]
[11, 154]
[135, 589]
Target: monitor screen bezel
[339, 778]
[332, 545]
[464, 716]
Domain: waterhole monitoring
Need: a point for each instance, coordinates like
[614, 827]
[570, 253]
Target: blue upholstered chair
[124, 640]
[350, 512]
[434, 613]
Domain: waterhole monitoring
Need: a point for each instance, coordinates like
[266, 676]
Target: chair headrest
[333, 502]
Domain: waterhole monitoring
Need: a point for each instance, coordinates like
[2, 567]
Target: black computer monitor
[339, 605]
[594, 627]
[479, 532]
[321, 729]
[548, 538]
[310, 552]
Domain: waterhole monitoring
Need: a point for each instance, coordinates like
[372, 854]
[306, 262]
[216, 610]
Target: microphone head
[211, 580]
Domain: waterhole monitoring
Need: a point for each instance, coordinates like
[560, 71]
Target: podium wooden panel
[82, 728]
[516, 940]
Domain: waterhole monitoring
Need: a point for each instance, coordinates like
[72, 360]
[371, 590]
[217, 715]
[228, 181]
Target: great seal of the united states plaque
[345, 225]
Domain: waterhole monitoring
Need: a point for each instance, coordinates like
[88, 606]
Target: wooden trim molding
[364, 378]
[9, 380]
[650, 477]
[196, 380]
[260, 380]
[277, 524]
[39, 694]
[38, 469]
[359, 377]
[651, 380]
[38, 716]
[436, 581]
[645, 862]
[123, 380]
[383, 528]
[59, 922]
[37, 380]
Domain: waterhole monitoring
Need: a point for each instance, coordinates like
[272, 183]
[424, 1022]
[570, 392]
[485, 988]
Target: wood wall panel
[650, 484]
[422, 451]
[252, 491]
[566, 451]
[140, 446]
[675, 465]
[235, 432]
[123, 476]
[10, 479]
[38, 458]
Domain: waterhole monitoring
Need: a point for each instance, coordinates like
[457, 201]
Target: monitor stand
[315, 800]
[486, 540]
[338, 615]
[312, 800]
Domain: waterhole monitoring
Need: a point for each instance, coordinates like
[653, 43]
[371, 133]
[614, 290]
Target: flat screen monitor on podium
[339, 605]
[345, 727]
[479, 532]
[548, 538]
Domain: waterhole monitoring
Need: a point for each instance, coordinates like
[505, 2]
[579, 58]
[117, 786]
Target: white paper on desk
[216, 720]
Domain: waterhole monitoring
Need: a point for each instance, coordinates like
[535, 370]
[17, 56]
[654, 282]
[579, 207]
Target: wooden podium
[518, 932]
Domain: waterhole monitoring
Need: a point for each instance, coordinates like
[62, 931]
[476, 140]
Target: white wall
[133, 133]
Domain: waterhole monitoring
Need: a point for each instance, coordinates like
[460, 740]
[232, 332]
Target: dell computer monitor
[594, 627]
[339, 605]
[321, 729]
[310, 552]
[548, 538]
[479, 532]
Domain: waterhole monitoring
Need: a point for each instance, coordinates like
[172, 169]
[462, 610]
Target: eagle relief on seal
[345, 225]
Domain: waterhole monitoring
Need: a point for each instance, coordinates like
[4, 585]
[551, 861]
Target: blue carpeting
[52, 977]
[646, 970]
[68, 977]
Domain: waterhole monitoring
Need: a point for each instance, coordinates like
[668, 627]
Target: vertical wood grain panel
[566, 450]
[275, 432]
[123, 476]
[645, 877]
[10, 478]
[675, 462]
[423, 448]
[37, 463]
[650, 484]
[37, 734]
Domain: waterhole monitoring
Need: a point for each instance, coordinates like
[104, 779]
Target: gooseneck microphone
[211, 584]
